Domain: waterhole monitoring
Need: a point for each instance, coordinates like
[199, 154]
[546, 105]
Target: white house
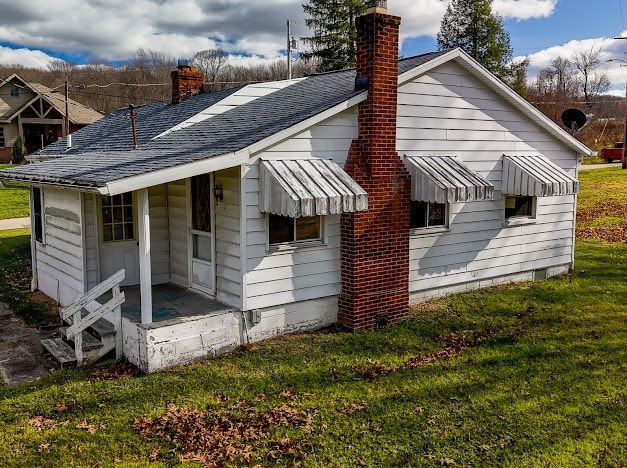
[292, 205]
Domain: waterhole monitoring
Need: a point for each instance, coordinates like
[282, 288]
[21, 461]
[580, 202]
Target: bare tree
[210, 62]
[61, 70]
[593, 80]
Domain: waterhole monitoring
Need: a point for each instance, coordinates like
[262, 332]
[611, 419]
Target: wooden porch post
[145, 273]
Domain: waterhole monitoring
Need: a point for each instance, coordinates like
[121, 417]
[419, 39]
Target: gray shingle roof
[103, 152]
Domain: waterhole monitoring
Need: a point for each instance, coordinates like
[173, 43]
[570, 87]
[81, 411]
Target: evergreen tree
[471, 25]
[334, 33]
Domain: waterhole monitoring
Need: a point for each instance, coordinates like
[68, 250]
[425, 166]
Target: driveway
[585, 167]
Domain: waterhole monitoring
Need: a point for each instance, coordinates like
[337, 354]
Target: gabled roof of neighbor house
[79, 114]
[175, 143]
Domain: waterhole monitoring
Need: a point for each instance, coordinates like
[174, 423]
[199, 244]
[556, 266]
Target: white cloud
[26, 57]
[524, 9]
[609, 49]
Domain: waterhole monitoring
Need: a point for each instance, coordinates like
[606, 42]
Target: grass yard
[526, 375]
[13, 199]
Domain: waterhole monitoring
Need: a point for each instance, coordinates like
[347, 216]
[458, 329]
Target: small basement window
[38, 214]
[519, 207]
[118, 222]
[427, 215]
[283, 229]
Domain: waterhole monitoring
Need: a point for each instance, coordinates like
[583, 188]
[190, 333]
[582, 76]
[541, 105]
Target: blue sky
[32, 33]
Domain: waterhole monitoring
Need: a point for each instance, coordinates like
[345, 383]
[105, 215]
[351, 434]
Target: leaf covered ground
[533, 374]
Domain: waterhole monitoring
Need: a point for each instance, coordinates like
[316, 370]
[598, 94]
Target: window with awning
[445, 179]
[536, 176]
[308, 187]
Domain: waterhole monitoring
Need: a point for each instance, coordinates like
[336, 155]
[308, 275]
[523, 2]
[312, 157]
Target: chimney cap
[378, 6]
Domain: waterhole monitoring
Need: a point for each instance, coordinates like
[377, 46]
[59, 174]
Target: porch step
[89, 340]
[100, 328]
[60, 350]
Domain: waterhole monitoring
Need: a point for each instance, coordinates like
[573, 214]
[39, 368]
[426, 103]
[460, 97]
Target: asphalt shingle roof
[103, 152]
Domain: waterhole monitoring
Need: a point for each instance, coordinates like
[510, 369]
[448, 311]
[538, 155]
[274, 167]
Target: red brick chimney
[186, 81]
[375, 243]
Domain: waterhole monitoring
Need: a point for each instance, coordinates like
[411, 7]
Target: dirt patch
[22, 358]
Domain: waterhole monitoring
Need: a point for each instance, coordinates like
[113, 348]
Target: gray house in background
[230, 205]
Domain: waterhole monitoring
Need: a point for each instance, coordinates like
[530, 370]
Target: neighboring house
[344, 196]
[38, 114]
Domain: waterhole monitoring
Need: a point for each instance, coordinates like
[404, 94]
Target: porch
[170, 303]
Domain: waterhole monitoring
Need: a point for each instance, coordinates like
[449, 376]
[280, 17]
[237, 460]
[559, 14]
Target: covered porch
[171, 303]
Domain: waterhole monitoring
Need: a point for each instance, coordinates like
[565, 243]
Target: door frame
[102, 244]
[190, 238]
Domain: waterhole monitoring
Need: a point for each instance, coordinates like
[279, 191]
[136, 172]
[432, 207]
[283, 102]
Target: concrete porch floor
[170, 302]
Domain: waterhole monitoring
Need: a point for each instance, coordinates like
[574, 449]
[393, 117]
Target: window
[519, 207]
[201, 217]
[38, 214]
[283, 229]
[15, 91]
[118, 222]
[427, 215]
[1, 137]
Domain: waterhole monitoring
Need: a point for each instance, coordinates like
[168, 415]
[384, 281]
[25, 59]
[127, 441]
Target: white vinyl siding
[330, 139]
[448, 112]
[228, 262]
[293, 274]
[61, 258]
[159, 234]
[91, 240]
[178, 235]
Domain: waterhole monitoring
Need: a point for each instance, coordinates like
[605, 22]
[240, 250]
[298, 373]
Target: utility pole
[624, 158]
[67, 115]
[289, 51]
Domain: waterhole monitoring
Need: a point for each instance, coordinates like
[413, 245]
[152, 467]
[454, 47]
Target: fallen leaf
[447, 462]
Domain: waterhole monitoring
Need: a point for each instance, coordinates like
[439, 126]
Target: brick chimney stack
[375, 243]
[186, 81]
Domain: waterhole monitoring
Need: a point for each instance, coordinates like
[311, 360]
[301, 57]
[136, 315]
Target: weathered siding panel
[91, 240]
[60, 258]
[159, 234]
[228, 261]
[448, 112]
[330, 139]
[178, 234]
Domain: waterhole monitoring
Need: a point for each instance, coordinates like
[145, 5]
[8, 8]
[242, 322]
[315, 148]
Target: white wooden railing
[96, 311]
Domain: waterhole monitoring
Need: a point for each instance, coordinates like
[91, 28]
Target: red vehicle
[609, 154]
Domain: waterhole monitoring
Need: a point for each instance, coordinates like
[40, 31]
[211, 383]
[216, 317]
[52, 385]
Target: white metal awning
[444, 179]
[536, 176]
[308, 187]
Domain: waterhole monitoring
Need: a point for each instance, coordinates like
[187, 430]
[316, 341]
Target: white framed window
[428, 215]
[38, 214]
[286, 230]
[118, 217]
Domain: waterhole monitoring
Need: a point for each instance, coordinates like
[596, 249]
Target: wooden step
[60, 350]
[89, 340]
[100, 328]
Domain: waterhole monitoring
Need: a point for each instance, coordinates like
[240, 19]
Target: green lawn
[13, 199]
[525, 375]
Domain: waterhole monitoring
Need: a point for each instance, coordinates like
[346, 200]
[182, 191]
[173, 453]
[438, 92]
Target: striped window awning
[308, 187]
[444, 179]
[536, 176]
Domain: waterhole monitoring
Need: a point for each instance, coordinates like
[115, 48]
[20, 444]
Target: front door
[118, 238]
[202, 230]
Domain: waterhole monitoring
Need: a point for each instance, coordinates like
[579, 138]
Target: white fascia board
[305, 124]
[171, 174]
[503, 90]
